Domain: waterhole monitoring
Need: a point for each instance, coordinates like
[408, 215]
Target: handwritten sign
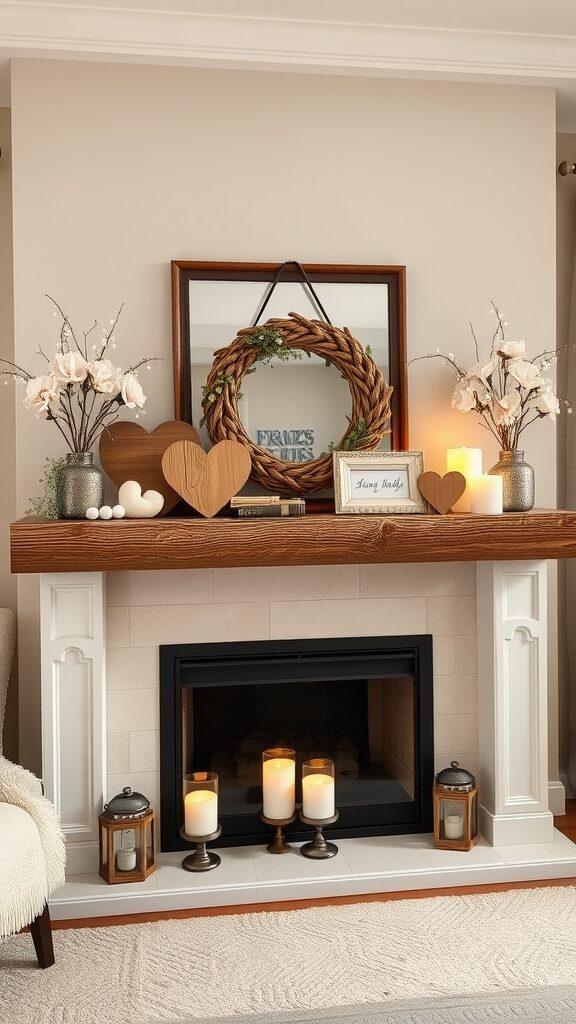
[289, 445]
[379, 483]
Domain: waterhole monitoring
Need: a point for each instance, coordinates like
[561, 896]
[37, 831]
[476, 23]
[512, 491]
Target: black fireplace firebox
[365, 702]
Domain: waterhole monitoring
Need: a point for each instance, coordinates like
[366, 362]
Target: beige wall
[119, 169]
[7, 423]
[566, 250]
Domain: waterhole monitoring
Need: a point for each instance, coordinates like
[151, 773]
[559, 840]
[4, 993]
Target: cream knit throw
[32, 852]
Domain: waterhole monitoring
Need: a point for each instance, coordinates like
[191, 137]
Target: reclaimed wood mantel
[41, 546]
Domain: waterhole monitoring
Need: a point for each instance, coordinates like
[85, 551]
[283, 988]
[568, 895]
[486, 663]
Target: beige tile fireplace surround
[100, 698]
[145, 609]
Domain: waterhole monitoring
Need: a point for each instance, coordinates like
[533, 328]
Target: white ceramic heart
[138, 505]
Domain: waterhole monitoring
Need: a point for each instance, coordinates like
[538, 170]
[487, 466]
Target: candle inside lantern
[486, 495]
[318, 796]
[126, 859]
[278, 784]
[453, 826]
[467, 461]
[201, 812]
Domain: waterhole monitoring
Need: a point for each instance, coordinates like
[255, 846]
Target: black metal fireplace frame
[216, 659]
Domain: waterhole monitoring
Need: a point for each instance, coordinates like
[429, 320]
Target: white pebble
[118, 511]
[105, 512]
[92, 513]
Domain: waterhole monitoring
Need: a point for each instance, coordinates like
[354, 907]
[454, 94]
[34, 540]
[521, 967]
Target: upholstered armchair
[31, 845]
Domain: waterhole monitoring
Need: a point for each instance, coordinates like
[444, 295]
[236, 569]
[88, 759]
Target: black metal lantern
[455, 809]
[126, 833]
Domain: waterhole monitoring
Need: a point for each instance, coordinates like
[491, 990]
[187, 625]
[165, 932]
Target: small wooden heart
[129, 452]
[442, 492]
[207, 481]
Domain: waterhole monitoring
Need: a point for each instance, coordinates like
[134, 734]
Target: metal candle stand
[318, 849]
[201, 859]
[278, 844]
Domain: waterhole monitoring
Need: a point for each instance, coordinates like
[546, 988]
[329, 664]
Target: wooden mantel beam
[39, 545]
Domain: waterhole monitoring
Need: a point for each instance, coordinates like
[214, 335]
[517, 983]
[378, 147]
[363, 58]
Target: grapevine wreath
[283, 338]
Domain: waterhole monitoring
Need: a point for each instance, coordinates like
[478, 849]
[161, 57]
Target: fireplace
[365, 702]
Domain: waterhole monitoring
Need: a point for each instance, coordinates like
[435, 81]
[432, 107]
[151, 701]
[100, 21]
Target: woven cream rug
[271, 963]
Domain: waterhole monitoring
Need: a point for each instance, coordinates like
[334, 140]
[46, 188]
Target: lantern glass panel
[452, 818]
[127, 849]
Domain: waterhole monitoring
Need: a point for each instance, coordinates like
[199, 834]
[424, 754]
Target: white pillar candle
[279, 788]
[126, 859]
[453, 826]
[200, 812]
[486, 496]
[467, 461]
[318, 796]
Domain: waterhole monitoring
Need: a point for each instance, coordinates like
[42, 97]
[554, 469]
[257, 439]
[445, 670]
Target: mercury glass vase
[517, 481]
[80, 486]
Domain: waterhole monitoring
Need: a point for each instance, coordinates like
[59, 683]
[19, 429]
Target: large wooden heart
[442, 492]
[129, 452]
[207, 481]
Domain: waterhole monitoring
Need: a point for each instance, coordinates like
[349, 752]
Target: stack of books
[253, 507]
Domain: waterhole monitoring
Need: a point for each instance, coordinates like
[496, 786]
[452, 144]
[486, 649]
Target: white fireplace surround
[490, 707]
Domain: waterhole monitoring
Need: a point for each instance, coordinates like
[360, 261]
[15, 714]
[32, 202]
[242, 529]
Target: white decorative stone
[118, 511]
[105, 512]
[138, 505]
[92, 513]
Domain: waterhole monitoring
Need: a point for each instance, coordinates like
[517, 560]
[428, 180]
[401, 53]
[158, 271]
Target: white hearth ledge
[513, 782]
[362, 867]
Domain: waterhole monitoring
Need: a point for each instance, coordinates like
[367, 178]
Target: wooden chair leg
[42, 936]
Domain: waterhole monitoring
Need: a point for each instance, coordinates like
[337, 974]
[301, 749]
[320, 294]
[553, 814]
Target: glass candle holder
[278, 784]
[318, 801]
[200, 790]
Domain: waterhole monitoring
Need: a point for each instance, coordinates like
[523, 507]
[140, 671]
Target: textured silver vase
[517, 481]
[80, 486]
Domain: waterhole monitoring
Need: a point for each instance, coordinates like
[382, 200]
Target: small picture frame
[378, 481]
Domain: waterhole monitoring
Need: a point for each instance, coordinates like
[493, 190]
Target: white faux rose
[547, 404]
[482, 371]
[40, 391]
[105, 377]
[505, 410]
[527, 374]
[464, 397]
[69, 367]
[131, 391]
[512, 349]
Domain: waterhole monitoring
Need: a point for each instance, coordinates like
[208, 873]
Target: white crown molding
[46, 29]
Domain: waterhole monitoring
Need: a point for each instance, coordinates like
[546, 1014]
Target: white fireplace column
[512, 684]
[512, 703]
[73, 667]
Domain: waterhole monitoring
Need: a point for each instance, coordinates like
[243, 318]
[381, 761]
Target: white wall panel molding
[73, 708]
[512, 695]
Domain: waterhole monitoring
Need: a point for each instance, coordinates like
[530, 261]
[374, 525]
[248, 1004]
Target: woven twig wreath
[370, 399]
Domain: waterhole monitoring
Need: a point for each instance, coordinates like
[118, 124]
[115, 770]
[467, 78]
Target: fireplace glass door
[364, 703]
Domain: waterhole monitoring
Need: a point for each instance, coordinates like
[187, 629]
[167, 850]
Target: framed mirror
[296, 409]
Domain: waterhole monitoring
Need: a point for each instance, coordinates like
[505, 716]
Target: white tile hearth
[363, 866]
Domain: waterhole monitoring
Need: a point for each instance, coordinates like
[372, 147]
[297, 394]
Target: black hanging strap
[305, 281]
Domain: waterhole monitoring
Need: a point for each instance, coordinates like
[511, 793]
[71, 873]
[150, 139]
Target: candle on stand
[278, 783]
[200, 812]
[200, 803]
[467, 461]
[318, 788]
[453, 826]
[318, 796]
[486, 495]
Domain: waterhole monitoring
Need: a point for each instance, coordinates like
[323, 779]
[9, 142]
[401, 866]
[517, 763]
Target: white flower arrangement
[82, 396]
[508, 390]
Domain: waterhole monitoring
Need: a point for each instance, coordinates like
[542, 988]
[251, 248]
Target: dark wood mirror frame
[184, 271]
